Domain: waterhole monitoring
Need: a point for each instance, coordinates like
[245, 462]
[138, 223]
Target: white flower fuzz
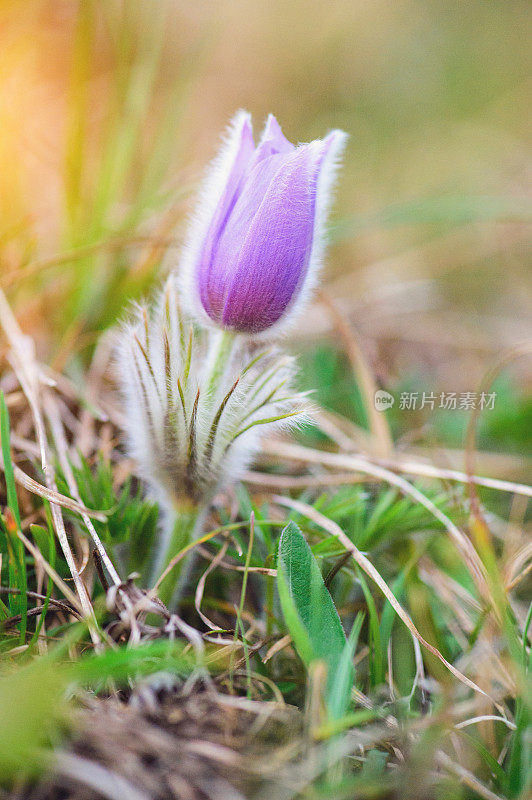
[193, 422]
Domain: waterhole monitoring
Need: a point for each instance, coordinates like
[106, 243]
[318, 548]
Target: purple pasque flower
[256, 245]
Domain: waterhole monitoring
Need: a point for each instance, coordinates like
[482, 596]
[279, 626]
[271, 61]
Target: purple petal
[272, 143]
[226, 242]
[273, 140]
[244, 150]
[267, 266]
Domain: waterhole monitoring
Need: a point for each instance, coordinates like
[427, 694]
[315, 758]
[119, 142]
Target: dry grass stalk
[31, 380]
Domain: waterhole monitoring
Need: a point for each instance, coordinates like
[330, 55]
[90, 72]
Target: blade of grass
[376, 651]
[17, 569]
[338, 698]
[241, 609]
[45, 540]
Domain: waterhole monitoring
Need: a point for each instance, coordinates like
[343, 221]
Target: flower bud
[190, 436]
[256, 245]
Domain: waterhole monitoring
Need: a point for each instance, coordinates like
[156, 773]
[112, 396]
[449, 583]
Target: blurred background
[109, 112]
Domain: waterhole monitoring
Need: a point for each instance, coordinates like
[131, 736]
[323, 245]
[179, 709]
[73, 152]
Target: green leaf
[339, 696]
[308, 608]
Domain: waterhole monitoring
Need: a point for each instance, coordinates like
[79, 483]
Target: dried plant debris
[170, 741]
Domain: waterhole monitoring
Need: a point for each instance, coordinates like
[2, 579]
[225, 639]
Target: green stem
[270, 599]
[187, 527]
[221, 352]
[188, 519]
